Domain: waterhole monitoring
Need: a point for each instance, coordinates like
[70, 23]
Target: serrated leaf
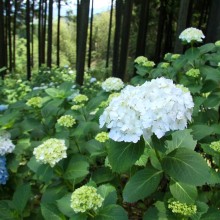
[123, 155]
[108, 192]
[63, 205]
[142, 184]
[210, 73]
[112, 212]
[201, 131]
[21, 197]
[76, 169]
[183, 192]
[186, 166]
[181, 139]
[49, 212]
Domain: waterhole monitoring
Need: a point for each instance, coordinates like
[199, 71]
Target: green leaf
[201, 131]
[49, 212]
[206, 48]
[201, 209]
[21, 197]
[123, 155]
[183, 192]
[63, 205]
[109, 194]
[142, 184]
[77, 167]
[213, 100]
[181, 139]
[192, 53]
[51, 108]
[186, 166]
[112, 212]
[210, 73]
[29, 124]
[159, 212]
[6, 212]
[102, 175]
[212, 214]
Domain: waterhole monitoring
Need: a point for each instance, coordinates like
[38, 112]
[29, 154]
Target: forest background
[33, 36]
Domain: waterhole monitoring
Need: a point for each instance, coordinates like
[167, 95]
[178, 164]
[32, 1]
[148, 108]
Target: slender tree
[28, 54]
[9, 32]
[109, 35]
[213, 27]
[82, 27]
[14, 35]
[58, 32]
[160, 29]
[181, 24]
[32, 33]
[2, 39]
[49, 34]
[118, 18]
[142, 28]
[125, 38]
[90, 36]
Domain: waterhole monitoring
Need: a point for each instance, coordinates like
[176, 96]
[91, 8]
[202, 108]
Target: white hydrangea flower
[155, 107]
[85, 199]
[112, 84]
[51, 151]
[6, 145]
[192, 34]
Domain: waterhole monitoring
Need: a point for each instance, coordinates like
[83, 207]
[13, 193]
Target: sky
[99, 6]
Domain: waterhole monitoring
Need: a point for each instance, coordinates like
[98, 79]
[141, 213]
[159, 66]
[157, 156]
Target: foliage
[174, 177]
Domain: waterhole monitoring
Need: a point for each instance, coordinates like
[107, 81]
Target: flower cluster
[66, 121]
[143, 61]
[51, 151]
[80, 98]
[85, 199]
[112, 84]
[35, 102]
[3, 108]
[6, 145]
[191, 34]
[175, 56]
[217, 43]
[215, 145]
[164, 65]
[102, 137]
[195, 73]
[156, 107]
[3, 171]
[181, 208]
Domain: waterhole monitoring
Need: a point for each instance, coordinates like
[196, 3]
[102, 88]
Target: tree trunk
[109, 35]
[28, 39]
[8, 24]
[49, 34]
[125, 38]
[142, 28]
[82, 23]
[39, 33]
[14, 35]
[2, 40]
[160, 30]
[181, 24]
[58, 34]
[213, 27]
[90, 37]
[32, 34]
[118, 13]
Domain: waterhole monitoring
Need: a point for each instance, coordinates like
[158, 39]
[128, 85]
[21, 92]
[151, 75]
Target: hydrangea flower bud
[182, 208]
[3, 171]
[51, 151]
[195, 73]
[141, 60]
[191, 35]
[66, 121]
[215, 145]
[112, 84]
[80, 98]
[102, 137]
[35, 102]
[86, 199]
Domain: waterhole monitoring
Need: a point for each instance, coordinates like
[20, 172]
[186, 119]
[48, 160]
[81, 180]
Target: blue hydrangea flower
[3, 171]
[3, 108]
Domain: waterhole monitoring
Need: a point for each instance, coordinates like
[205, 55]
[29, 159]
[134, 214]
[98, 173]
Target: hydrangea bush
[149, 151]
